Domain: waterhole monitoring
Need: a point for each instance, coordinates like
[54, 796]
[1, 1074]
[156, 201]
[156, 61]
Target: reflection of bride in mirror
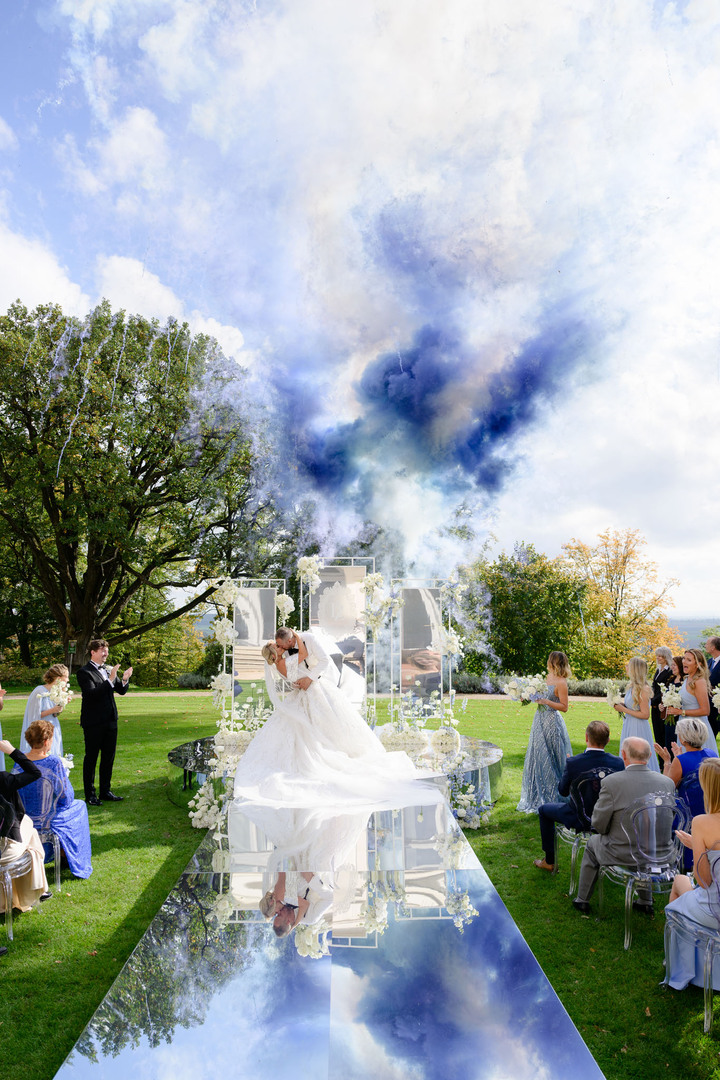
[316, 749]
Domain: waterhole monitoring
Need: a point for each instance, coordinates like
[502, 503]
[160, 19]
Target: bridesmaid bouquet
[526, 688]
[671, 698]
[612, 695]
[60, 693]
[715, 697]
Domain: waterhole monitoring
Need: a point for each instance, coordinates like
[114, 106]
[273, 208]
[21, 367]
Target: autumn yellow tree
[625, 600]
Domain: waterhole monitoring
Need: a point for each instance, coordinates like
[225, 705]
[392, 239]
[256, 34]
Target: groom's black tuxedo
[99, 721]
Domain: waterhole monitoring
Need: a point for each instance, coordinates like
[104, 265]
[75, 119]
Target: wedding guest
[2, 702]
[71, 819]
[99, 720]
[694, 693]
[663, 675]
[712, 646]
[549, 743]
[46, 702]
[636, 707]
[19, 833]
[684, 767]
[676, 666]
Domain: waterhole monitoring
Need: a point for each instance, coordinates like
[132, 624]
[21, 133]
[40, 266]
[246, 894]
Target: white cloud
[31, 272]
[8, 139]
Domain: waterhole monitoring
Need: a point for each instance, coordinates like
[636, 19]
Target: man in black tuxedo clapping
[99, 719]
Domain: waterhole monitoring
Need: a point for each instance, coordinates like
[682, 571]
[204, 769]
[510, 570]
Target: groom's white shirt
[318, 660]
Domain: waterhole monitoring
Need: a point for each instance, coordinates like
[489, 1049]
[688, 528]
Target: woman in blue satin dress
[549, 744]
[695, 693]
[686, 961]
[71, 819]
[636, 708]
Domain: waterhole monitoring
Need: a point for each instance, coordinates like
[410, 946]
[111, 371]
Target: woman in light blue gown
[549, 744]
[636, 708]
[42, 706]
[699, 905]
[71, 819]
[695, 693]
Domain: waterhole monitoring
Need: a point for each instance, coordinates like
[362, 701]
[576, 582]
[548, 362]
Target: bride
[316, 749]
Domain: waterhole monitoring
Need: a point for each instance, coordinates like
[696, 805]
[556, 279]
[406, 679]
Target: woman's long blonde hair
[702, 669]
[559, 665]
[637, 675]
[709, 777]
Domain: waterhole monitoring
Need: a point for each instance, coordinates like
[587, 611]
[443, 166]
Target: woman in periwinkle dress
[686, 961]
[636, 708]
[549, 743]
[695, 693]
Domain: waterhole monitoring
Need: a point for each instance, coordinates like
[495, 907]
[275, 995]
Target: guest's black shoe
[3, 950]
[109, 797]
[581, 905]
[647, 909]
[93, 801]
[45, 896]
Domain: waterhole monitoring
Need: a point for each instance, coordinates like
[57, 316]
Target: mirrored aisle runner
[412, 967]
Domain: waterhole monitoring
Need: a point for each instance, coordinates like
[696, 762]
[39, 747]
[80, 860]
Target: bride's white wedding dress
[316, 750]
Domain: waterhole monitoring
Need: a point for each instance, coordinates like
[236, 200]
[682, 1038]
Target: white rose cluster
[224, 632]
[445, 740]
[207, 811]
[308, 568]
[225, 594]
[457, 904]
[285, 606]
[526, 688]
[221, 685]
[312, 941]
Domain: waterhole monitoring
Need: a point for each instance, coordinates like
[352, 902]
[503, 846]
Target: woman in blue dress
[685, 961]
[549, 744]
[695, 693]
[42, 705]
[636, 707]
[71, 820]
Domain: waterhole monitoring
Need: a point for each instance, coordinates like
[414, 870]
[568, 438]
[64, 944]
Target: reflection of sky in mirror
[431, 1002]
[275, 1011]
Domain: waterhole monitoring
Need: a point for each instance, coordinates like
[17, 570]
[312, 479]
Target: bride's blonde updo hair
[268, 653]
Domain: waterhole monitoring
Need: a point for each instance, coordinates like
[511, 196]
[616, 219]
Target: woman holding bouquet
[676, 666]
[549, 743]
[695, 693]
[46, 702]
[636, 707]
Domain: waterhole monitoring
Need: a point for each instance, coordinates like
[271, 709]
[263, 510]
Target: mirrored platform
[369, 944]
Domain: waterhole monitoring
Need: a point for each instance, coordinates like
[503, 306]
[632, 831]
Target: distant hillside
[692, 629]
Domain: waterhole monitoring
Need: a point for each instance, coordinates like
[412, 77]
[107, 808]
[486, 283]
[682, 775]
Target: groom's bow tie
[291, 652]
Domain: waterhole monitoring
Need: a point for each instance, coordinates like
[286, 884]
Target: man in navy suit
[712, 647]
[595, 756]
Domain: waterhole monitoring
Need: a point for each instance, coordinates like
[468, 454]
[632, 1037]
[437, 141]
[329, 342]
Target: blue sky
[470, 250]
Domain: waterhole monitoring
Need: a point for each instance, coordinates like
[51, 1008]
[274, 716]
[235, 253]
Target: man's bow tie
[291, 652]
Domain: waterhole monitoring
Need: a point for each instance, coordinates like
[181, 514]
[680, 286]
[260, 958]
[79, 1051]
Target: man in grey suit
[617, 792]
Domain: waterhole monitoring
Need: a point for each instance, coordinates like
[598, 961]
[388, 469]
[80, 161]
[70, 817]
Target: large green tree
[119, 441]
[526, 605]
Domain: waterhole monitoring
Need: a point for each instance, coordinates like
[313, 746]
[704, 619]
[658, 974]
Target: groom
[99, 720]
[317, 659]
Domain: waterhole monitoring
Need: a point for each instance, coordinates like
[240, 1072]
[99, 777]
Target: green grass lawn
[66, 954]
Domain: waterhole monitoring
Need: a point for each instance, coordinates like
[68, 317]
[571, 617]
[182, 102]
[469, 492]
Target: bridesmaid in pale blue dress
[549, 745]
[695, 693]
[42, 706]
[685, 962]
[636, 708]
[71, 819]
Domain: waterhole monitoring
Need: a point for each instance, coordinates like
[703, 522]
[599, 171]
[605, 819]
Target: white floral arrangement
[371, 584]
[715, 697]
[285, 606]
[446, 740]
[224, 631]
[458, 905]
[68, 763]
[312, 940]
[449, 642]
[612, 694]
[374, 913]
[524, 689]
[59, 692]
[221, 685]
[308, 568]
[222, 910]
[671, 698]
[226, 593]
[412, 740]
[207, 810]
[220, 861]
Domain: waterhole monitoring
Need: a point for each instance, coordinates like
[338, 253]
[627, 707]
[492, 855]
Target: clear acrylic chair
[697, 936]
[584, 792]
[9, 870]
[650, 824]
[40, 800]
